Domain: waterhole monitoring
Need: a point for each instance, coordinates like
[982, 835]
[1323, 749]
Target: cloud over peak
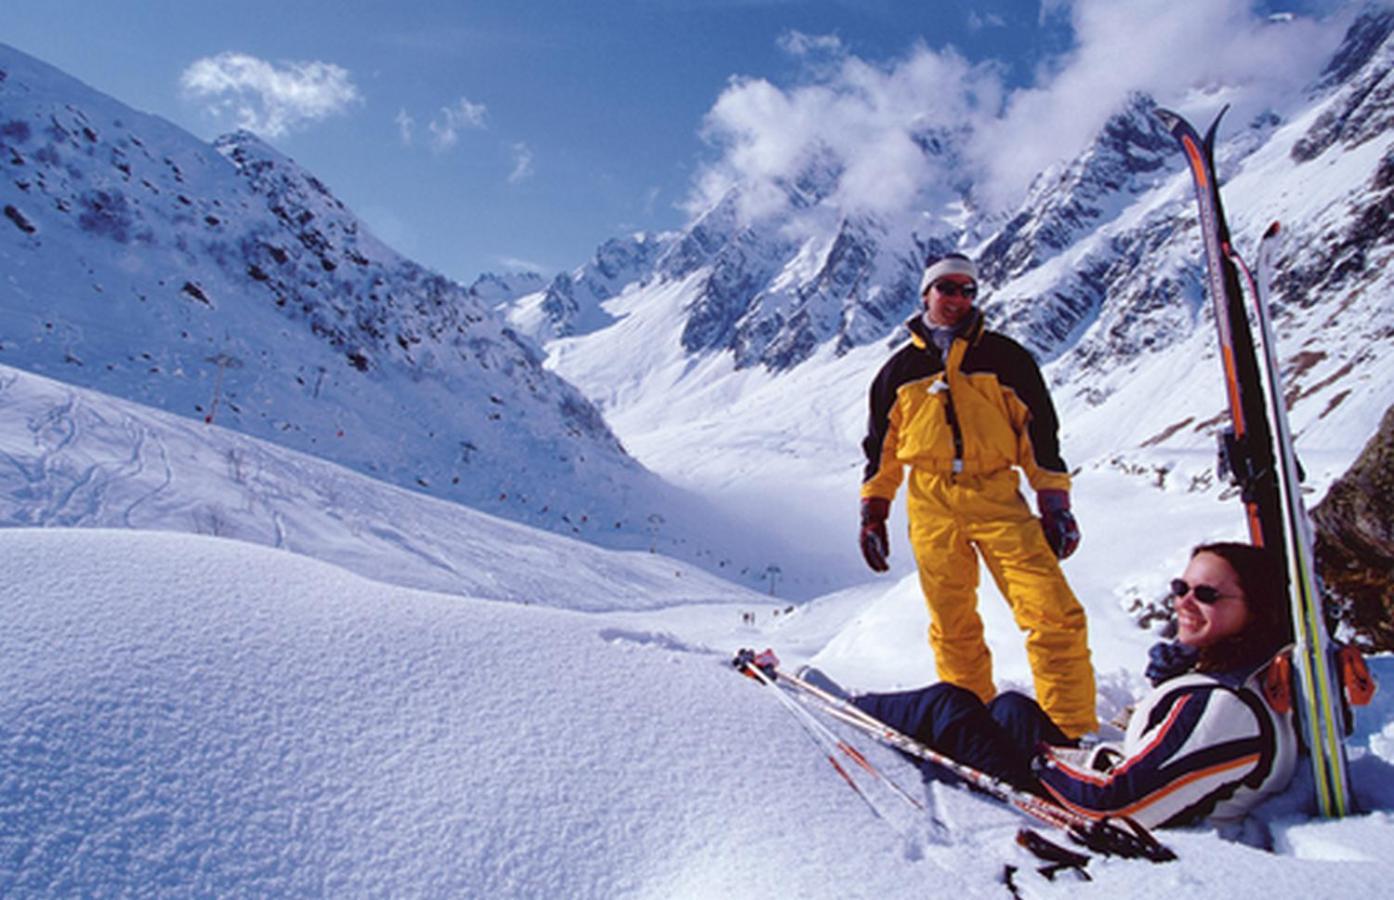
[867, 121]
[266, 98]
[900, 134]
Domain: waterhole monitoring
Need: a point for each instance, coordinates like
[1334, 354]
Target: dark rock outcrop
[1355, 541]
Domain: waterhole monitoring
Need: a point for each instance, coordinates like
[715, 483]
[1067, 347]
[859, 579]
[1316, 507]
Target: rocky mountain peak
[815, 181]
[701, 240]
[227, 284]
[494, 289]
[1360, 72]
[272, 173]
[1366, 35]
[571, 303]
[1130, 154]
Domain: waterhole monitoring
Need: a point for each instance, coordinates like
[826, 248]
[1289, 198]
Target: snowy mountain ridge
[769, 337]
[227, 284]
[187, 268]
[571, 302]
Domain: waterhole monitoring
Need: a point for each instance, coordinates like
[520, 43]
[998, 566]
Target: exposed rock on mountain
[1361, 68]
[226, 283]
[1362, 109]
[772, 292]
[496, 289]
[1131, 154]
[571, 303]
[1355, 541]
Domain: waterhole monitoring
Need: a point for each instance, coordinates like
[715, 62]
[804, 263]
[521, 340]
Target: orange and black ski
[1257, 450]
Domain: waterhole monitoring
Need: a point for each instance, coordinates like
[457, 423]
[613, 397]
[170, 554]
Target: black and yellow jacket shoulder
[983, 409]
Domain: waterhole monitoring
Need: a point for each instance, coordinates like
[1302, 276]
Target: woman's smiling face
[1199, 624]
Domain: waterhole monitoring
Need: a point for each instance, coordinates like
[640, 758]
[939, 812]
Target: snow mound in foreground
[183, 714]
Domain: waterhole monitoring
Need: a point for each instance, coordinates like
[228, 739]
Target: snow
[193, 714]
[76, 458]
[377, 363]
[230, 668]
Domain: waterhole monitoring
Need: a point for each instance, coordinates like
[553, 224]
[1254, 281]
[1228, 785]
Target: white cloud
[518, 264]
[978, 21]
[796, 43]
[650, 200]
[1174, 51]
[522, 163]
[265, 98]
[870, 121]
[406, 127]
[865, 120]
[445, 128]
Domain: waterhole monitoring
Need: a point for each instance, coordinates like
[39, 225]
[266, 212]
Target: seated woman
[1205, 744]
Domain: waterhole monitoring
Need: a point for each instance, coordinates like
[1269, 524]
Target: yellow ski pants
[955, 518]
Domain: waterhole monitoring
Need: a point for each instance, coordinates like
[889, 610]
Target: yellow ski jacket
[983, 409]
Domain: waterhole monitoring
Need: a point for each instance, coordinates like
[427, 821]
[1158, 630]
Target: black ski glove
[876, 546]
[1061, 529]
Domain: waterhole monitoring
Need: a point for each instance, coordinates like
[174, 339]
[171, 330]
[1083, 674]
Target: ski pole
[859, 718]
[745, 661]
[847, 749]
[1103, 835]
[1055, 857]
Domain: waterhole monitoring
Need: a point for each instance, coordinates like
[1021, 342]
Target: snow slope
[76, 458]
[189, 715]
[182, 713]
[225, 283]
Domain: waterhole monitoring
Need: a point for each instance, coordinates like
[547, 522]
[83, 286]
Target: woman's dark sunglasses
[956, 289]
[1204, 593]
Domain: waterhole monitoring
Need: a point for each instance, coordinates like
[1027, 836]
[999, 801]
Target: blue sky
[504, 134]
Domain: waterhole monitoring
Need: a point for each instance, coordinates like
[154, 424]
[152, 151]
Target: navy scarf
[1168, 659]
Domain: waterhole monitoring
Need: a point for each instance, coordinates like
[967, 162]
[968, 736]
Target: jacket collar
[970, 329]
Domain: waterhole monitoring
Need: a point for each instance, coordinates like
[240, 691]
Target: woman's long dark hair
[1263, 580]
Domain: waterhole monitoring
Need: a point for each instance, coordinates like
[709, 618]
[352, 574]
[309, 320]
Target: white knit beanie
[948, 265]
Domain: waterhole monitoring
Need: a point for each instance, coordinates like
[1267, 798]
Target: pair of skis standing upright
[1256, 452]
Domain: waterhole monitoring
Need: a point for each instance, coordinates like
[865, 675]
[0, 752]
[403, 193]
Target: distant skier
[1213, 738]
[964, 407]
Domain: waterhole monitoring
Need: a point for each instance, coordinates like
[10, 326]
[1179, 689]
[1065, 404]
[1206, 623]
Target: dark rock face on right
[1355, 541]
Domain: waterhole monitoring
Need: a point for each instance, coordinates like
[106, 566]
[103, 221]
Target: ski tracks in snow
[65, 462]
[56, 481]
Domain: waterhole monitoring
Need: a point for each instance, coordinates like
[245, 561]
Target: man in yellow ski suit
[964, 408]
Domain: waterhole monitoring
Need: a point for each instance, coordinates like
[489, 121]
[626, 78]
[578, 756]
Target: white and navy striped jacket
[1198, 747]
